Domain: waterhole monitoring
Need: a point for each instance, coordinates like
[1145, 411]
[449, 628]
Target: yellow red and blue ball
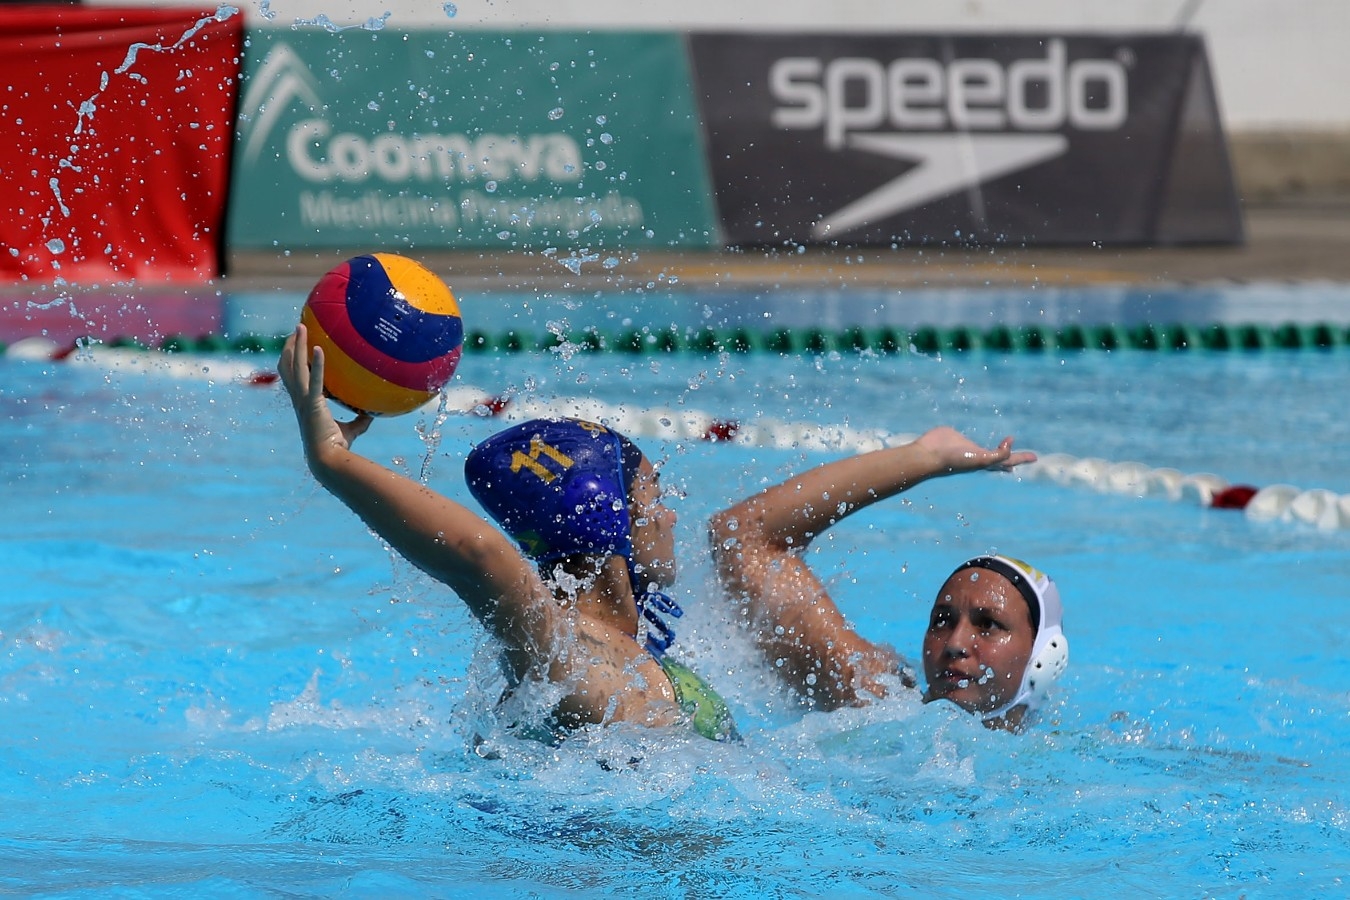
[390, 330]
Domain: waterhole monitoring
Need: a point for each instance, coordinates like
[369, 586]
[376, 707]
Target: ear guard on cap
[1047, 665]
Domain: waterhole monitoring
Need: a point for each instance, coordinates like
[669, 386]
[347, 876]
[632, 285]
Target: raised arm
[791, 514]
[441, 537]
[757, 546]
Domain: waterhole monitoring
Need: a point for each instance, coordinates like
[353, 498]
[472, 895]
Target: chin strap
[1021, 699]
[653, 606]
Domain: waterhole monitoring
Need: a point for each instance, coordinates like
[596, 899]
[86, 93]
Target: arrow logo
[282, 77]
[944, 164]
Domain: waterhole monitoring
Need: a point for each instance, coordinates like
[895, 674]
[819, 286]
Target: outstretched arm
[791, 514]
[757, 546]
[441, 537]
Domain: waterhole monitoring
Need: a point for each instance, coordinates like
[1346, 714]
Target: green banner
[472, 139]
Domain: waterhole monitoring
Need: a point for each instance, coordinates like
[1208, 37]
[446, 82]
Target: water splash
[374, 23]
[89, 106]
[222, 13]
[55, 184]
[574, 262]
[432, 435]
[39, 305]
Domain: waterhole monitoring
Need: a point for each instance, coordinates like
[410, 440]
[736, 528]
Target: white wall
[1279, 64]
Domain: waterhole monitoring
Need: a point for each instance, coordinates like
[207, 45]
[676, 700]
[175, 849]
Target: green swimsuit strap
[708, 712]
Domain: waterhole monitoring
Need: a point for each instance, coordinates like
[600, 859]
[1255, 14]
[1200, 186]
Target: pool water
[215, 682]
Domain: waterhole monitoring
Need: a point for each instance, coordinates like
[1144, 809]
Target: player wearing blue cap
[583, 502]
[574, 595]
[604, 538]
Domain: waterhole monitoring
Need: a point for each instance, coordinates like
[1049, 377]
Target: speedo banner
[117, 125]
[476, 139]
[922, 139]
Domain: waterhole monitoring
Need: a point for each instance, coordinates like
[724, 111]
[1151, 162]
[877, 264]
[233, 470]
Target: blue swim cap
[560, 487]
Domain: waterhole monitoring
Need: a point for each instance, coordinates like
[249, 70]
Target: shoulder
[614, 678]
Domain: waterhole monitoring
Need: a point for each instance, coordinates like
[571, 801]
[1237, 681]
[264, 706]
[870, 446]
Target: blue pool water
[214, 682]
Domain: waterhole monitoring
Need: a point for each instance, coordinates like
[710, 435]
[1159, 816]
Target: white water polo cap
[1050, 650]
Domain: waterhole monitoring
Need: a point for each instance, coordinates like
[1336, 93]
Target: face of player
[978, 642]
[653, 527]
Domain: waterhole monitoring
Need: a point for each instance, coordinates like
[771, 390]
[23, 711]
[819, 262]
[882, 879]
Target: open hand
[957, 453]
[302, 375]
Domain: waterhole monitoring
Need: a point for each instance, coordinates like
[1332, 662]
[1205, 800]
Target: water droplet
[56, 245]
[555, 113]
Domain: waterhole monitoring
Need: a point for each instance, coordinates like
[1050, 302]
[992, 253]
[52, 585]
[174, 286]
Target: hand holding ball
[390, 332]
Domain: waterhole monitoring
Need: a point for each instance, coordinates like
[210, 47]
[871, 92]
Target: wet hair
[631, 458]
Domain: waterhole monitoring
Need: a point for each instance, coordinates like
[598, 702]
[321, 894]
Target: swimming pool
[215, 682]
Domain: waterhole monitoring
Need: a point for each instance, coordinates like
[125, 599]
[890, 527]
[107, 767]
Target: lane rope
[1030, 338]
[1318, 507]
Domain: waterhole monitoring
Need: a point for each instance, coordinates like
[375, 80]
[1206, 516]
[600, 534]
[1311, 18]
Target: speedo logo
[856, 93]
[320, 151]
[958, 123]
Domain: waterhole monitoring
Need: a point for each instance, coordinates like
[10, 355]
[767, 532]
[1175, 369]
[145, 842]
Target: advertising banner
[500, 140]
[1001, 140]
[117, 125]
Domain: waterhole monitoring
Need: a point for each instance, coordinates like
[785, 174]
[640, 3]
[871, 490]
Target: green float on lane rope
[1168, 337]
